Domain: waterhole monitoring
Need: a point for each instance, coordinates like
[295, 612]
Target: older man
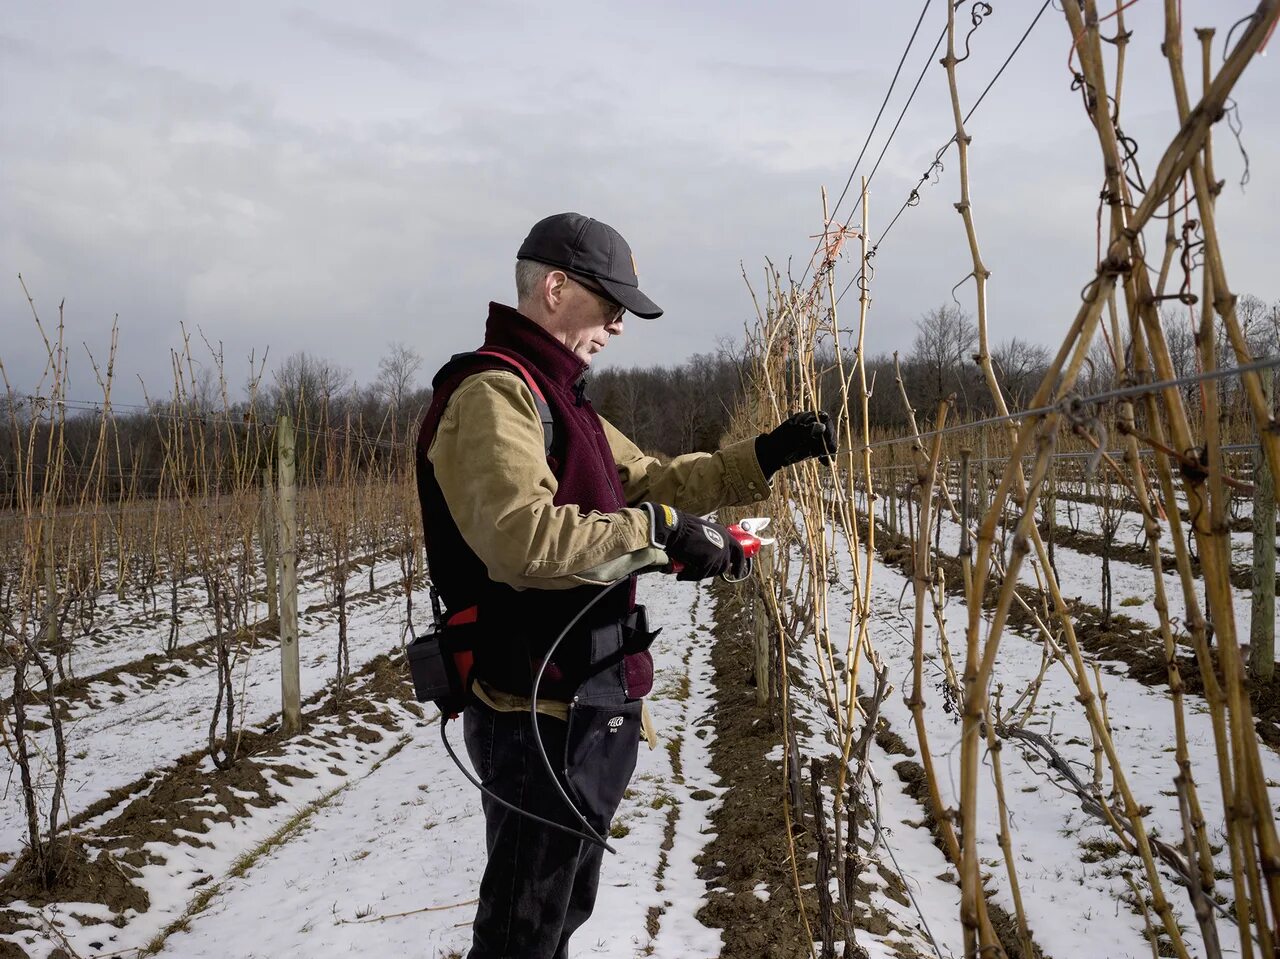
[532, 506]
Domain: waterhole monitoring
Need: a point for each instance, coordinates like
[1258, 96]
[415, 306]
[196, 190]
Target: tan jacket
[494, 476]
[489, 459]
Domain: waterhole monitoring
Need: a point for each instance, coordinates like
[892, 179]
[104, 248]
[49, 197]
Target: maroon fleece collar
[513, 330]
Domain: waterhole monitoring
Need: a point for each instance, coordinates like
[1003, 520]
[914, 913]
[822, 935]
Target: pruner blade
[756, 525]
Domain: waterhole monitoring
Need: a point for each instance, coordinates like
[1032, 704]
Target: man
[532, 507]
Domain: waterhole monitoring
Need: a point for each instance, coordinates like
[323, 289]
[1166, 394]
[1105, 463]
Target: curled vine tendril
[979, 13]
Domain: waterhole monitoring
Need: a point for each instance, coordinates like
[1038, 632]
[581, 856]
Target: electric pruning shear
[747, 533]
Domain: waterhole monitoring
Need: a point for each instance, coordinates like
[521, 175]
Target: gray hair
[529, 276]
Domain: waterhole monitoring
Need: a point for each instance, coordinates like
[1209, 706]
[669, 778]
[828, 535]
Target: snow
[390, 826]
[397, 829]
[1072, 906]
[116, 734]
[1079, 574]
[127, 629]
[1130, 527]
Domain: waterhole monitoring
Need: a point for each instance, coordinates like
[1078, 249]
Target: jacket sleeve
[490, 462]
[695, 482]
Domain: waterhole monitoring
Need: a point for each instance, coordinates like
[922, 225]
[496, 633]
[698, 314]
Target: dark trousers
[539, 884]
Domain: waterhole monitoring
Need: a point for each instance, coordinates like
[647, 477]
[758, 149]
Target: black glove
[800, 436]
[702, 548]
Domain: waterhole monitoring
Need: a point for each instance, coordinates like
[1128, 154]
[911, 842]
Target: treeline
[673, 410]
[664, 409]
[200, 443]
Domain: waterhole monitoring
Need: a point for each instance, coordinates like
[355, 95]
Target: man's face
[586, 317]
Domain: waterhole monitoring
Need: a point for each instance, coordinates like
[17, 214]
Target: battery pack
[429, 669]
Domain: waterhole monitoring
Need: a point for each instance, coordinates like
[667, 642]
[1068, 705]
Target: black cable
[977, 103]
[590, 835]
[885, 148]
[533, 711]
[902, 114]
[444, 721]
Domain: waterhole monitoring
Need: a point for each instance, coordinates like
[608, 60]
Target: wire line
[870, 133]
[913, 197]
[1123, 392]
[883, 103]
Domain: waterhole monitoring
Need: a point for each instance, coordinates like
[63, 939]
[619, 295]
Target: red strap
[528, 377]
[463, 616]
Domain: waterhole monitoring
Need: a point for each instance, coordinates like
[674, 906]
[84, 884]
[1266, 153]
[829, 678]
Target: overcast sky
[331, 176]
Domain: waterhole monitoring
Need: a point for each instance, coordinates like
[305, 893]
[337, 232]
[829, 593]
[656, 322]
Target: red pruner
[747, 533]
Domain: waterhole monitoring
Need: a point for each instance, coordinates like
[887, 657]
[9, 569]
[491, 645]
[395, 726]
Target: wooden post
[50, 592]
[270, 534]
[762, 631]
[893, 493]
[983, 466]
[1262, 631]
[122, 564]
[290, 684]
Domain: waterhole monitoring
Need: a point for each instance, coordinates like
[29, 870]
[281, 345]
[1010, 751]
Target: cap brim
[631, 298]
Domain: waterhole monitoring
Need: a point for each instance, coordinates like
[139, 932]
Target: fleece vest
[521, 624]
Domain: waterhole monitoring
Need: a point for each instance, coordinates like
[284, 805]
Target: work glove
[700, 548]
[799, 437]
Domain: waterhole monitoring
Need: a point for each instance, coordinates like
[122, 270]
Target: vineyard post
[984, 496]
[893, 494]
[1262, 634]
[290, 686]
[269, 536]
[966, 504]
[761, 633]
[122, 561]
[51, 637]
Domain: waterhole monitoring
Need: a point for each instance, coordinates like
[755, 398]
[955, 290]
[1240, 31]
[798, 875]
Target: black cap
[578, 244]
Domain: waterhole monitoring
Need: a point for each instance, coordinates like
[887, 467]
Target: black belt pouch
[601, 745]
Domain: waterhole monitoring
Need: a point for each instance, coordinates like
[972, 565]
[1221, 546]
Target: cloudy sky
[332, 177]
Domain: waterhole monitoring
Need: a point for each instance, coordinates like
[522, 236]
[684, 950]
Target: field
[357, 819]
[1003, 686]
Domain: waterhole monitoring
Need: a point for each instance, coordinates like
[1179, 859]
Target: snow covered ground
[118, 732]
[127, 629]
[411, 836]
[1073, 903]
[382, 842]
[1130, 529]
[1079, 574]
[906, 847]
[392, 827]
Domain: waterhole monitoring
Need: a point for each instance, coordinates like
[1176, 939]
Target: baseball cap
[578, 244]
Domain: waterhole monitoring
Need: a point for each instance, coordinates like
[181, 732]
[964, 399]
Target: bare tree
[945, 339]
[307, 384]
[1181, 341]
[1101, 366]
[1021, 366]
[397, 373]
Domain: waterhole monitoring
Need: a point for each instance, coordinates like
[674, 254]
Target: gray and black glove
[697, 548]
[799, 437]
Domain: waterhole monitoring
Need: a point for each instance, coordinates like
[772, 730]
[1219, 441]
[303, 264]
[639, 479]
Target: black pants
[539, 884]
